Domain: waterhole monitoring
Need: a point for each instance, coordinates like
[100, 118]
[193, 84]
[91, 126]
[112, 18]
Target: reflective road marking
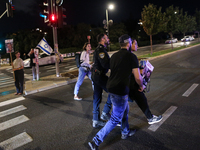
[12, 111]
[12, 101]
[16, 141]
[190, 90]
[13, 122]
[166, 115]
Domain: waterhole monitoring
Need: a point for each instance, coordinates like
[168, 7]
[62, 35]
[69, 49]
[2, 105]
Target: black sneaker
[105, 116]
[97, 124]
[155, 119]
[92, 145]
[131, 133]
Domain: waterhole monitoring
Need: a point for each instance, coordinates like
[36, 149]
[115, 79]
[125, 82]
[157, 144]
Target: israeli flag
[44, 46]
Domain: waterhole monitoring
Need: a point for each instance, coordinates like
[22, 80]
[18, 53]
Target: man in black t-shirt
[122, 65]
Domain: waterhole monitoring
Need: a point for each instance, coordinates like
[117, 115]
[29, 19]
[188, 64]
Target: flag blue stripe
[44, 49]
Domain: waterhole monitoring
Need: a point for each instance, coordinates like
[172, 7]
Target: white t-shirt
[85, 58]
[17, 63]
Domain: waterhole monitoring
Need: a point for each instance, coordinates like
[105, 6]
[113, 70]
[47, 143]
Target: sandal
[16, 93]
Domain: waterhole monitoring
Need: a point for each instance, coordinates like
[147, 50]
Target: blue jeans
[34, 72]
[97, 98]
[81, 76]
[119, 114]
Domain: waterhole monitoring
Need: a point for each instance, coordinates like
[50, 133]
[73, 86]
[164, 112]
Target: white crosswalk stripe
[12, 111]
[20, 139]
[16, 141]
[6, 81]
[13, 122]
[11, 101]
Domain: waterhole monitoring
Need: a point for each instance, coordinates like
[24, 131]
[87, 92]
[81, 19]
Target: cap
[124, 38]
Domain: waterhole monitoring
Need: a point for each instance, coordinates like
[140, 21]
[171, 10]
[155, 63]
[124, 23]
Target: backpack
[77, 59]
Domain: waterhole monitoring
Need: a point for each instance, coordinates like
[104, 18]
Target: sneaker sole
[155, 121]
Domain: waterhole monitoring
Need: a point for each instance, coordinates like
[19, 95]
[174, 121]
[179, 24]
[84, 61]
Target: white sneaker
[155, 119]
[77, 98]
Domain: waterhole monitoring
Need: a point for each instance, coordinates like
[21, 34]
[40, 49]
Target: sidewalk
[50, 82]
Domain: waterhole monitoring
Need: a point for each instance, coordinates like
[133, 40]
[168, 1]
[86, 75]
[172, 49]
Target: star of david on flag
[44, 46]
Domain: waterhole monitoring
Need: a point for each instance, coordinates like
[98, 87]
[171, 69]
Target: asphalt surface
[57, 122]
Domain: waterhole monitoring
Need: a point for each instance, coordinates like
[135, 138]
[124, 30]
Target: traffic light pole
[55, 40]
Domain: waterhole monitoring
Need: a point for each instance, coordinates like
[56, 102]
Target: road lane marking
[190, 90]
[12, 101]
[2, 83]
[16, 141]
[73, 68]
[6, 78]
[50, 70]
[166, 115]
[12, 111]
[13, 122]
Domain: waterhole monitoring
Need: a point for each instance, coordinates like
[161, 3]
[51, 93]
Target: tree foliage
[152, 20]
[187, 23]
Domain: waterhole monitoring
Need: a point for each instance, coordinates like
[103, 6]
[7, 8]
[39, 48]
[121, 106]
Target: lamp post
[107, 22]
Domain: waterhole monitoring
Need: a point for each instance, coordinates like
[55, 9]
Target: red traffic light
[53, 18]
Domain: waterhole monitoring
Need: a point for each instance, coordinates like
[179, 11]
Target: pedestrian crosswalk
[6, 80]
[17, 140]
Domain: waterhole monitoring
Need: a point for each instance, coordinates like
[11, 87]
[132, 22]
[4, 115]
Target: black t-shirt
[32, 56]
[121, 65]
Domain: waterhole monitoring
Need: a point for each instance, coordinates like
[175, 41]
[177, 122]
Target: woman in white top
[84, 69]
[18, 67]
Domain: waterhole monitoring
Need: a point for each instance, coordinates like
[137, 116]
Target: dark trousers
[141, 100]
[100, 85]
[19, 80]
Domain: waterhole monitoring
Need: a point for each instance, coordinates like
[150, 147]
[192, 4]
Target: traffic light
[10, 8]
[53, 19]
[61, 16]
[45, 6]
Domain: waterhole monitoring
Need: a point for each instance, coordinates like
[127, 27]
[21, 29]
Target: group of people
[124, 84]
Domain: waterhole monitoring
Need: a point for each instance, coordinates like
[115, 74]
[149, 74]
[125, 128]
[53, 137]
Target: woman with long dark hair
[83, 70]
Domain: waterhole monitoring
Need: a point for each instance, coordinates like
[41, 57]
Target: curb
[54, 85]
[151, 58]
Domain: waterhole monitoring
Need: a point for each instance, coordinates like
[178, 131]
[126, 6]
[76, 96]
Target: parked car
[187, 38]
[44, 59]
[171, 40]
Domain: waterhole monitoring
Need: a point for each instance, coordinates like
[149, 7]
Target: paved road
[52, 120]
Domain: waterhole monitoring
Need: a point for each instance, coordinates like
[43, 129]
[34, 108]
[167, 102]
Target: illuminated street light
[109, 7]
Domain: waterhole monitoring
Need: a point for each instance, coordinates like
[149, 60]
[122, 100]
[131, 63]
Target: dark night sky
[26, 14]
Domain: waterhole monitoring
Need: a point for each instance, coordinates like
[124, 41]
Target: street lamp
[109, 7]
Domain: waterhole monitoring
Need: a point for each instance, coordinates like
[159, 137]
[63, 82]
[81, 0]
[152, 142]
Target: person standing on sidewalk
[140, 97]
[100, 68]
[83, 70]
[122, 65]
[32, 65]
[18, 67]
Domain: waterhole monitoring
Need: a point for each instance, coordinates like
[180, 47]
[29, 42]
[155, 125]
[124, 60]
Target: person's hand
[140, 89]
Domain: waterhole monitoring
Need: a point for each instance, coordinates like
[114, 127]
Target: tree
[187, 23]
[152, 21]
[172, 21]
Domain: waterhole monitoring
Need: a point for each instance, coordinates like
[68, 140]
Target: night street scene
[99, 75]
